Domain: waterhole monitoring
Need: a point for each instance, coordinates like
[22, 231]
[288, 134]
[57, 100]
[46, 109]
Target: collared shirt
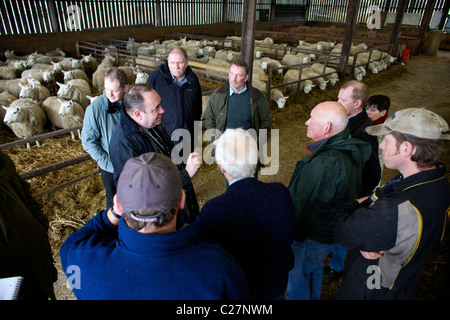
[232, 91]
[181, 82]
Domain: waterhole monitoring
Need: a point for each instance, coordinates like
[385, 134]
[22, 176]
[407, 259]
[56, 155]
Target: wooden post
[426, 18]
[248, 34]
[272, 9]
[350, 22]
[53, 18]
[158, 14]
[444, 14]
[224, 11]
[401, 8]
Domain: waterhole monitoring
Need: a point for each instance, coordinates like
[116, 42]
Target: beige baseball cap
[418, 122]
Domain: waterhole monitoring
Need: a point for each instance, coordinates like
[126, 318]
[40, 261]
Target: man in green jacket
[321, 185]
[237, 104]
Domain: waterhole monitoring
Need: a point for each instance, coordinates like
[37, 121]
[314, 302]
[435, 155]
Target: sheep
[330, 73]
[275, 94]
[148, 63]
[63, 114]
[35, 91]
[233, 56]
[221, 55]
[8, 73]
[90, 64]
[25, 118]
[91, 99]
[309, 46]
[78, 83]
[141, 76]
[293, 75]
[75, 74]
[12, 86]
[5, 100]
[315, 77]
[269, 63]
[50, 81]
[214, 73]
[44, 67]
[292, 60]
[69, 92]
[56, 53]
[129, 71]
[326, 45]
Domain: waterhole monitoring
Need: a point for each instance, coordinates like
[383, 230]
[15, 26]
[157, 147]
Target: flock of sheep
[38, 91]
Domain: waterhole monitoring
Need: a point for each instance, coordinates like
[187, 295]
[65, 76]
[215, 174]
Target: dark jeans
[110, 187]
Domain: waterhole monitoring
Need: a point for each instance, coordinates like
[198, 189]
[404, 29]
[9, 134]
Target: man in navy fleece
[132, 250]
[252, 220]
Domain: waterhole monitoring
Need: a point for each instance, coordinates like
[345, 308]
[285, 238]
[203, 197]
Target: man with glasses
[180, 92]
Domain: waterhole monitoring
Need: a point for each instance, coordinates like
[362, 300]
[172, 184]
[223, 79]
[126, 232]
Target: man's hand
[193, 163]
[372, 255]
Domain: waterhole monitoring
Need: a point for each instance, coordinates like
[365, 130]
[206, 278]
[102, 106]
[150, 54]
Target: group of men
[257, 240]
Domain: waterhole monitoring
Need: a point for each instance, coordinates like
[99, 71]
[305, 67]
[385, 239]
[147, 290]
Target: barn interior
[67, 182]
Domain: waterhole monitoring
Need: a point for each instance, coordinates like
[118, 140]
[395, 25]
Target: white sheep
[330, 73]
[90, 64]
[292, 75]
[149, 63]
[56, 53]
[315, 77]
[5, 100]
[141, 76]
[269, 63]
[275, 94]
[63, 114]
[233, 56]
[35, 91]
[69, 92]
[92, 99]
[221, 55]
[129, 71]
[77, 83]
[25, 118]
[292, 60]
[75, 74]
[12, 86]
[8, 73]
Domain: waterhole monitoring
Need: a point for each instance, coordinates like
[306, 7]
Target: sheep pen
[421, 83]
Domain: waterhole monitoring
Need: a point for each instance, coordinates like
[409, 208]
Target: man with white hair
[321, 185]
[391, 233]
[252, 220]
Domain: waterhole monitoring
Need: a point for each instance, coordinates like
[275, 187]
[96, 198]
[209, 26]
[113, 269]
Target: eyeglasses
[177, 63]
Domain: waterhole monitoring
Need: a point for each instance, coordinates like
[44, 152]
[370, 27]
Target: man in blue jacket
[132, 251]
[180, 92]
[100, 119]
[252, 220]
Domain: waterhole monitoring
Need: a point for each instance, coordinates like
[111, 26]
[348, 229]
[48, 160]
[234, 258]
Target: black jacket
[182, 104]
[406, 218]
[372, 170]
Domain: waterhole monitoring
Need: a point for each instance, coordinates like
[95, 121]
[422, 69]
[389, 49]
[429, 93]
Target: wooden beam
[401, 8]
[350, 23]
[248, 34]
[424, 25]
[444, 14]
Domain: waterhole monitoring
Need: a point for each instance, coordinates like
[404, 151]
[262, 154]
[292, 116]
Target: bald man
[321, 185]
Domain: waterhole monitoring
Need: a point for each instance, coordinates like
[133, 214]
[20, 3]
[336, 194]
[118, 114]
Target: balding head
[327, 119]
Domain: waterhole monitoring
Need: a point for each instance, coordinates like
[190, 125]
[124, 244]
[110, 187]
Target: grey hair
[237, 152]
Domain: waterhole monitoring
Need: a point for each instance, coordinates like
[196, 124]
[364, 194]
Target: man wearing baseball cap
[390, 234]
[132, 251]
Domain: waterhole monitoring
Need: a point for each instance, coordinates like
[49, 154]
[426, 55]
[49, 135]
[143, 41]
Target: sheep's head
[66, 107]
[63, 89]
[68, 75]
[26, 91]
[13, 114]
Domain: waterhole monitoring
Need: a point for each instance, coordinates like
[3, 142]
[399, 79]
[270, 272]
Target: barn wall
[26, 44]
